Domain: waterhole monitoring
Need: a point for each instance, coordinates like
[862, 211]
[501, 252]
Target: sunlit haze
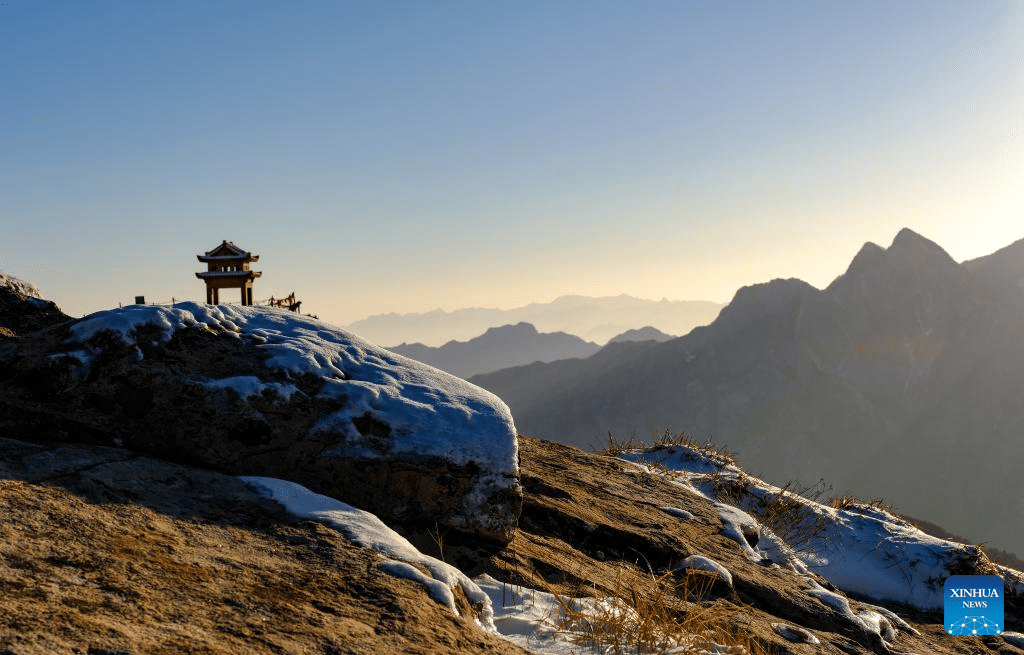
[406, 156]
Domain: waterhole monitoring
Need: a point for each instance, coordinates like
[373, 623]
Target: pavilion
[228, 268]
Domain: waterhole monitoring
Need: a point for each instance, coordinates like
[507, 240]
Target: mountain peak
[757, 301]
[646, 333]
[908, 240]
[870, 256]
[906, 235]
[909, 251]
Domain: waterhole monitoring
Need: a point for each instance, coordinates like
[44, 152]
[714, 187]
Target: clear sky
[404, 156]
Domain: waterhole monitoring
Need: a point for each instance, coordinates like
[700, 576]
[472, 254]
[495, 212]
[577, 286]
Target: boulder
[263, 391]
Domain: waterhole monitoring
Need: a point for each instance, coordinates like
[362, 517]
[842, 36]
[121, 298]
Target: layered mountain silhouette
[647, 333]
[593, 319]
[499, 348]
[903, 378]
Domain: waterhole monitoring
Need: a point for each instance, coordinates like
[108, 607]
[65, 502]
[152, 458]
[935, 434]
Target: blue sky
[403, 156]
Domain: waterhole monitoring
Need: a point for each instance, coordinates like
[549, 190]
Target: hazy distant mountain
[593, 319]
[498, 348]
[903, 378]
[647, 333]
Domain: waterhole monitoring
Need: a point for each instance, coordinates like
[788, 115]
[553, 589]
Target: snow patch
[678, 513]
[702, 563]
[437, 589]
[869, 619]
[402, 559]
[536, 621]
[249, 386]
[527, 617]
[795, 634]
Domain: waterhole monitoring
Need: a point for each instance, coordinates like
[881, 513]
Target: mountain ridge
[498, 348]
[893, 362]
[595, 319]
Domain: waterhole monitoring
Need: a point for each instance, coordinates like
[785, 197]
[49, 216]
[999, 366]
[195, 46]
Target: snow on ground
[678, 513]
[401, 558]
[701, 563]
[527, 617]
[536, 620]
[432, 412]
[862, 549]
[532, 619]
[795, 634]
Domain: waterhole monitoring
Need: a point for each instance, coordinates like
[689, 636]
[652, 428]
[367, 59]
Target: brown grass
[788, 513]
[852, 503]
[718, 454]
[652, 614]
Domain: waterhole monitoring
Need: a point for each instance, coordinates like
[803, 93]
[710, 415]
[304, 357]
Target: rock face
[258, 391]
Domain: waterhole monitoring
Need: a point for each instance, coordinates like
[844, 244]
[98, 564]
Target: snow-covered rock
[23, 308]
[261, 391]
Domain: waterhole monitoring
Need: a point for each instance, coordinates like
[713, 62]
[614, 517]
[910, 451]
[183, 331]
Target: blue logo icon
[974, 604]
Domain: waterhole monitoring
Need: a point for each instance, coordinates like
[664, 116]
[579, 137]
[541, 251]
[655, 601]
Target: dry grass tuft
[854, 504]
[667, 439]
[789, 513]
[649, 614]
[616, 447]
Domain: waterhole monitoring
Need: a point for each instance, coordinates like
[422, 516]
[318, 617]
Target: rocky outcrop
[259, 391]
[23, 308]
